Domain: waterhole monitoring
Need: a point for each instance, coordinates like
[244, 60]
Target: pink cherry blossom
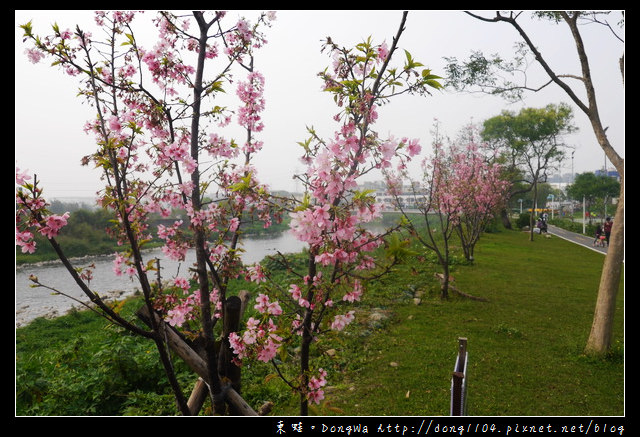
[179, 315]
[182, 283]
[237, 344]
[21, 177]
[264, 306]
[354, 295]
[235, 223]
[317, 382]
[25, 241]
[383, 52]
[340, 321]
[255, 273]
[53, 224]
[315, 393]
[316, 396]
[114, 124]
[34, 55]
[268, 351]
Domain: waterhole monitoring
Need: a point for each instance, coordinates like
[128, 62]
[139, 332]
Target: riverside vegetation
[525, 346]
[85, 234]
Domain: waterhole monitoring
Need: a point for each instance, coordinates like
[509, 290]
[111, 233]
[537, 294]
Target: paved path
[580, 239]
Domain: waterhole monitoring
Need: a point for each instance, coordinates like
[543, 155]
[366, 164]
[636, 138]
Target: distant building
[610, 173]
[405, 200]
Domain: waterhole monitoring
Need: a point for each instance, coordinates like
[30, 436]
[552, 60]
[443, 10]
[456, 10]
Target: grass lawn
[525, 347]
[525, 344]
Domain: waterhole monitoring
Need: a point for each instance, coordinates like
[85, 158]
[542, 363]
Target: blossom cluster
[315, 392]
[164, 63]
[330, 217]
[245, 37]
[251, 95]
[260, 339]
[140, 123]
[464, 184]
[32, 214]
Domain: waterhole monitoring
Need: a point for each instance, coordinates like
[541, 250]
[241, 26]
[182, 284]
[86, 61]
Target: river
[36, 302]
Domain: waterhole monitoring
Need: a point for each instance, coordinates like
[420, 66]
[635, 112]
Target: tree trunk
[601, 334]
[307, 338]
[198, 365]
[231, 322]
[504, 215]
[444, 291]
[532, 218]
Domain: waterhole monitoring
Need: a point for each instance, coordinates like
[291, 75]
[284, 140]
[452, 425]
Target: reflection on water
[36, 302]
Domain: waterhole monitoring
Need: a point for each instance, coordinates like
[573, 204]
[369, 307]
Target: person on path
[608, 223]
[542, 223]
[599, 232]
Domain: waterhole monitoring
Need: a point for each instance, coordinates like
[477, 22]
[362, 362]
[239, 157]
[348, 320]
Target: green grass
[525, 347]
[80, 365]
[525, 344]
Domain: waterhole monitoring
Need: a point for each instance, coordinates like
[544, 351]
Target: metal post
[459, 381]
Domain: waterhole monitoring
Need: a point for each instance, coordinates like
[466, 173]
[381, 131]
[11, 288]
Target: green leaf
[244, 184]
[306, 202]
[151, 265]
[431, 79]
[305, 144]
[399, 249]
[28, 29]
[129, 41]
[363, 195]
[216, 87]
[411, 63]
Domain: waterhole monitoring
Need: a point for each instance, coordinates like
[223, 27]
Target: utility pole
[584, 215]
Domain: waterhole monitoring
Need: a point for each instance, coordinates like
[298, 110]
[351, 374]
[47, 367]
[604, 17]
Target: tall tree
[480, 71]
[591, 187]
[330, 217]
[157, 147]
[532, 141]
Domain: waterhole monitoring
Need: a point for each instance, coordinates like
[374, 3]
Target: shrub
[524, 220]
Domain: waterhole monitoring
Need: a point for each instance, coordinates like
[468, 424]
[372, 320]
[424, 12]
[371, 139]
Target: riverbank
[40, 302]
[26, 313]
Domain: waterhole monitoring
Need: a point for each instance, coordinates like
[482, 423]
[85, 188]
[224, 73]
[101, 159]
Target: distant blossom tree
[459, 193]
[480, 185]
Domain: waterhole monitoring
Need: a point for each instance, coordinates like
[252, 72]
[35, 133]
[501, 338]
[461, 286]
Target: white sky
[49, 139]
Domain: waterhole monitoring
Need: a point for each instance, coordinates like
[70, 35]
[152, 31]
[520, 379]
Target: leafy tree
[484, 73]
[530, 141]
[592, 187]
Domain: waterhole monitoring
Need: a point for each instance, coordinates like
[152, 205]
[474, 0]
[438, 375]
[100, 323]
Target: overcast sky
[49, 117]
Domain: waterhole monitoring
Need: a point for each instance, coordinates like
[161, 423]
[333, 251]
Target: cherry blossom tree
[160, 149]
[458, 194]
[330, 218]
[480, 187]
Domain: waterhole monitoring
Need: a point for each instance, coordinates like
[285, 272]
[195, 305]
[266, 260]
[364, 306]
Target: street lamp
[520, 200]
[551, 196]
